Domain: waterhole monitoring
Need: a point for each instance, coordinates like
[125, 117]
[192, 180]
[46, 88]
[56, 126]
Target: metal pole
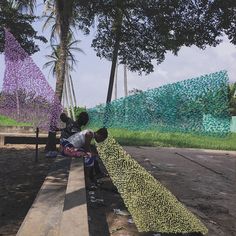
[125, 81]
[37, 144]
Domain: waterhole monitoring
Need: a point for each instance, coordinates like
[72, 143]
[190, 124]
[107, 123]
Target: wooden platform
[60, 207]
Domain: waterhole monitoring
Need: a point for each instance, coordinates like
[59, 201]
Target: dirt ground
[20, 181]
[206, 185]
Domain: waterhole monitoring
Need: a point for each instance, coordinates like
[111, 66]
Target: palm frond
[26, 5]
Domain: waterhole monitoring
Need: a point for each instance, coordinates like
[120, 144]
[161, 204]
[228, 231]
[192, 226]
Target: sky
[91, 76]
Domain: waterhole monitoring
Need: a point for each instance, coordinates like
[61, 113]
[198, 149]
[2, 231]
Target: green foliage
[151, 28]
[225, 13]
[20, 26]
[5, 121]
[199, 105]
[70, 60]
[151, 205]
[78, 110]
[169, 139]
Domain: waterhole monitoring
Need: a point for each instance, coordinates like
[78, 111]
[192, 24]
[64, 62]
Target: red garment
[73, 152]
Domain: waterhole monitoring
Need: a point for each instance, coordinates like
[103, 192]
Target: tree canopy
[151, 28]
[137, 33]
[226, 17]
[20, 25]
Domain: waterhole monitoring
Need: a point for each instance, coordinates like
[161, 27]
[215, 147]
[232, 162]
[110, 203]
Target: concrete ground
[203, 180]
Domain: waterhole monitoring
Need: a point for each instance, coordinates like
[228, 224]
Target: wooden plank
[75, 216]
[44, 217]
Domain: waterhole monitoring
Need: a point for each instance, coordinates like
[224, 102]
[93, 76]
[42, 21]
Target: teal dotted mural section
[198, 105]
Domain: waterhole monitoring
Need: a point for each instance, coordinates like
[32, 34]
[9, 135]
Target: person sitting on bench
[72, 126]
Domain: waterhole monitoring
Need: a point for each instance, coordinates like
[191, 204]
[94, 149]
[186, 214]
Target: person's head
[83, 118]
[63, 117]
[100, 135]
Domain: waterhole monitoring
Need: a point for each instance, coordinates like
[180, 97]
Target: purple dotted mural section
[26, 95]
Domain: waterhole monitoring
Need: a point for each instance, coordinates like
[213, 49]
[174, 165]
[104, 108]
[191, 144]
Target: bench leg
[2, 140]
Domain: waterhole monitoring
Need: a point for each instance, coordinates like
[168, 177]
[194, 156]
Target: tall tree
[139, 32]
[20, 25]
[67, 15]
[71, 61]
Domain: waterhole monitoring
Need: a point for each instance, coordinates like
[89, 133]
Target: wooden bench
[26, 138]
[60, 207]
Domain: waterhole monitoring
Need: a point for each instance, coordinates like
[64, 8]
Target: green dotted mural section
[151, 205]
[198, 105]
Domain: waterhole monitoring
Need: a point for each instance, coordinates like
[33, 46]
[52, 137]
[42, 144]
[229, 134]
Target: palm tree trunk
[64, 13]
[61, 70]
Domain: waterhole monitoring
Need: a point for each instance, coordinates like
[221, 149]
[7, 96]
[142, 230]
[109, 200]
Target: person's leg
[91, 174]
[97, 167]
[89, 166]
[99, 173]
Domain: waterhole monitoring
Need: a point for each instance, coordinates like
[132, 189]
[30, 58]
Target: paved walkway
[204, 180]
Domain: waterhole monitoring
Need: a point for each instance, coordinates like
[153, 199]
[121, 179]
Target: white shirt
[78, 139]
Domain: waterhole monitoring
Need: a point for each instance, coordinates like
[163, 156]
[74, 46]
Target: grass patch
[183, 140]
[5, 121]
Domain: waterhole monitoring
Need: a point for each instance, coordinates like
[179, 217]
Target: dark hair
[63, 117]
[83, 118]
[102, 132]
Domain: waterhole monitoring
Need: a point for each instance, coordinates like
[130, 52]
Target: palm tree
[52, 60]
[64, 16]
[68, 90]
[70, 60]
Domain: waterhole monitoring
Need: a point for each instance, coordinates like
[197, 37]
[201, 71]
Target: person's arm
[88, 138]
[58, 129]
